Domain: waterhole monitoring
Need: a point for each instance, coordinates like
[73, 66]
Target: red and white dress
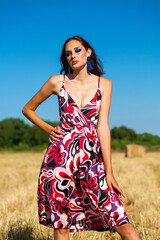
[72, 189]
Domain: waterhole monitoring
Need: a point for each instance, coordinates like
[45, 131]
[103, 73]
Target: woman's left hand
[112, 183]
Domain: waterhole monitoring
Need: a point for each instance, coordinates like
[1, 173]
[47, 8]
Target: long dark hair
[95, 61]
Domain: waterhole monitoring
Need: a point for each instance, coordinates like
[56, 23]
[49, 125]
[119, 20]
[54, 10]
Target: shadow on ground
[19, 231]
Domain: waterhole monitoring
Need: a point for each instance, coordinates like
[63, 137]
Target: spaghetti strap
[63, 77]
[98, 82]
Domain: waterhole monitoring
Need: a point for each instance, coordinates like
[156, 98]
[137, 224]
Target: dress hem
[111, 229]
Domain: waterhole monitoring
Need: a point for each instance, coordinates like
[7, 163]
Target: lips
[74, 62]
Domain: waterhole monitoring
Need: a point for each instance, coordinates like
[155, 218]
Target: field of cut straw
[139, 178]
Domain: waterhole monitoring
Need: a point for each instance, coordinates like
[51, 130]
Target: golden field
[139, 179]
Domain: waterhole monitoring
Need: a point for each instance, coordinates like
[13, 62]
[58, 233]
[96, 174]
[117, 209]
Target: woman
[77, 190]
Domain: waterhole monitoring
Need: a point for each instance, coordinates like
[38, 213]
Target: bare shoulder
[55, 79]
[105, 85]
[55, 82]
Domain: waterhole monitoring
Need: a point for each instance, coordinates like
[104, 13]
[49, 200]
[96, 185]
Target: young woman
[77, 190]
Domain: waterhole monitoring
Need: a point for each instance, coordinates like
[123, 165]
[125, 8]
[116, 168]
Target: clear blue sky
[124, 34]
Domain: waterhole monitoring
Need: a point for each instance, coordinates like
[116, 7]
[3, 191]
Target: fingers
[55, 134]
[113, 185]
[50, 140]
[119, 191]
[110, 187]
[58, 130]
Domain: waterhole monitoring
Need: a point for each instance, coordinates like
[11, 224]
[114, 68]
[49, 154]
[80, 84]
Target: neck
[81, 75]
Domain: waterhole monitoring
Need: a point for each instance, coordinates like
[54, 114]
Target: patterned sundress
[72, 188]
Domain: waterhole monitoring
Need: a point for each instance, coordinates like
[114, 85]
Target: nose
[73, 55]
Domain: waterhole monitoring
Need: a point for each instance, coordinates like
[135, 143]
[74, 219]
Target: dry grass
[139, 178]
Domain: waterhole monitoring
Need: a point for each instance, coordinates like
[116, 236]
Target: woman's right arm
[51, 86]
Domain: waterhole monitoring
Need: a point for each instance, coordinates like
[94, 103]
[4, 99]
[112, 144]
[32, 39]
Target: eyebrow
[70, 50]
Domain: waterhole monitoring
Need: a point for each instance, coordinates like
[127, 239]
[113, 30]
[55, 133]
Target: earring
[89, 66]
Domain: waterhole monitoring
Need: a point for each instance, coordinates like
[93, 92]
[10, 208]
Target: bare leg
[61, 234]
[127, 232]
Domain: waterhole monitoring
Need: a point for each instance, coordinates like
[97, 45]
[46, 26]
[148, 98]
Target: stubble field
[139, 178]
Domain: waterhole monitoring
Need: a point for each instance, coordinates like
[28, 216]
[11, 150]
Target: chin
[77, 68]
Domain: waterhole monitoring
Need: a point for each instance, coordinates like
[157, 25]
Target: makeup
[76, 50]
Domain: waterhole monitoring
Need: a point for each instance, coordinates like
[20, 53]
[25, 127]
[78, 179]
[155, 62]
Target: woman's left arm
[104, 135]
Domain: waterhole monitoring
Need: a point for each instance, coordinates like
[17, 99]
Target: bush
[16, 135]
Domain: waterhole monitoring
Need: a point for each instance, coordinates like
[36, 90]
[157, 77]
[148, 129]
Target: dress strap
[63, 77]
[98, 82]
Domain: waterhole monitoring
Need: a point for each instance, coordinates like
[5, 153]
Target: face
[76, 54]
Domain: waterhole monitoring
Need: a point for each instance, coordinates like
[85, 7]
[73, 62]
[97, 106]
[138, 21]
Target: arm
[103, 129]
[104, 135]
[50, 87]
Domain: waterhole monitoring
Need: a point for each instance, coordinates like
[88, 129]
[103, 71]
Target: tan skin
[86, 83]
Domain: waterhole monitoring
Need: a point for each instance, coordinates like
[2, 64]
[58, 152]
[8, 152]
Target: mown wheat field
[139, 178]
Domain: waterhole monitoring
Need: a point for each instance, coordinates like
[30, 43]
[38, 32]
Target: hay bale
[134, 150]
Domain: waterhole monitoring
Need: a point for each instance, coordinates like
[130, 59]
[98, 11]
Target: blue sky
[124, 34]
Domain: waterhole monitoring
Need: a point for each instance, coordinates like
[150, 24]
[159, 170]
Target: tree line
[17, 135]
